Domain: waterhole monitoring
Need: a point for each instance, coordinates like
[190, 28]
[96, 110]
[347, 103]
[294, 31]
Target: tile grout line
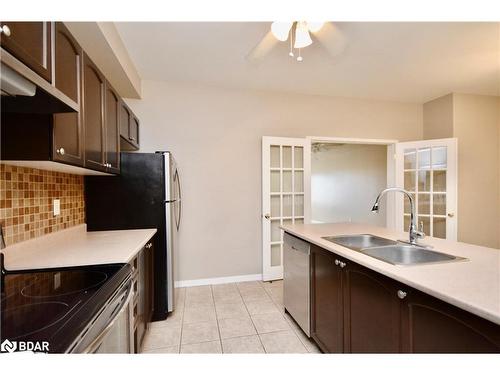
[216, 319]
[282, 311]
[182, 318]
[257, 332]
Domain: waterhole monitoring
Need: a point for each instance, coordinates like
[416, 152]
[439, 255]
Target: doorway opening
[345, 180]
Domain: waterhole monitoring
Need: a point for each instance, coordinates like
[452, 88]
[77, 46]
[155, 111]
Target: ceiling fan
[298, 33]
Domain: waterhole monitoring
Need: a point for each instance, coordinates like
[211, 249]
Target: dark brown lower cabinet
[357, 310]
[144, 292]
[430, 325]
[372, 313]
[326, 301]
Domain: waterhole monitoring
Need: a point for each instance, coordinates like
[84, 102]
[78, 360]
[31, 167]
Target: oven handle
[125, 305]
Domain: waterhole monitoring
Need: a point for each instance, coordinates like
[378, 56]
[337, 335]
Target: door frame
[391, 167]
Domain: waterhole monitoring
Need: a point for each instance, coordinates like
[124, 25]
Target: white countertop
[473, 285]
[76, 247]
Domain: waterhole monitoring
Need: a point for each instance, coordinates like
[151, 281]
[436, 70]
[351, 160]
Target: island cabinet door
[372, 311]
[433, 326]
[326, 301]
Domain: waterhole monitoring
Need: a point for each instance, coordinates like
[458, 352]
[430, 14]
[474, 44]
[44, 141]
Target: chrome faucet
[414, 233]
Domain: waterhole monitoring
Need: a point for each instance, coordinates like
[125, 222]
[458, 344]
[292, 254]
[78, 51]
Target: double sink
[390, 251]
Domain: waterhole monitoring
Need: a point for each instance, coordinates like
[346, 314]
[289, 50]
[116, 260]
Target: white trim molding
[218, 280]
[364, 141]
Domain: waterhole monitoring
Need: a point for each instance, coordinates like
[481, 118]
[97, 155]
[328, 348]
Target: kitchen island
[404, 308]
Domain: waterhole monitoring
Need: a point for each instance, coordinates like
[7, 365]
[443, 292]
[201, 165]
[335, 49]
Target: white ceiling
[411, 62]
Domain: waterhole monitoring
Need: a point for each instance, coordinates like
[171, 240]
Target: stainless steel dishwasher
[296, 280]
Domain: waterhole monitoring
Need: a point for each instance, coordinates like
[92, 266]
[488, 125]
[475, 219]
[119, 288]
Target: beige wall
[476, 125]
[345, 181]
[215, 135]
[475, 122]
[438, 118]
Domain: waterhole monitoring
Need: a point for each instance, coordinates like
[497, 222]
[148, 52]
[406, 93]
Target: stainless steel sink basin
[408, 255]
[360, 241]
[390, 251]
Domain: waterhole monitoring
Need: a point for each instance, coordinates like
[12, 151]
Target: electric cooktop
[55, 305]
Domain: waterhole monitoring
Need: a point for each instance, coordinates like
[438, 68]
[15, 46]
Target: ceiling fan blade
[332, 39]
[262, 48]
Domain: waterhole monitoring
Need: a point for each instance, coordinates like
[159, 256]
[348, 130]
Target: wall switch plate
[57, 207]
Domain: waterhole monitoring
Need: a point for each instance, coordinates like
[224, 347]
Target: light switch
[57, 207]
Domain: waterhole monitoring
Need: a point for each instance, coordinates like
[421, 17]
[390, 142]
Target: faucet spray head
[375, 208]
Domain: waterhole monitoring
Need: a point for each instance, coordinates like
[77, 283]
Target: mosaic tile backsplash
[26, 202]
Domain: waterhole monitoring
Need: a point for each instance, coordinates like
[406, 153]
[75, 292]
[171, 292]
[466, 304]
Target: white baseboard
[218, 280]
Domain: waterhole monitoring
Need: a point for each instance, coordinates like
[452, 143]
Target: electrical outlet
[57, 207]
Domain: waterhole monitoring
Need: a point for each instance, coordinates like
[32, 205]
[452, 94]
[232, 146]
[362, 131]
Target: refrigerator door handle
[178, 182]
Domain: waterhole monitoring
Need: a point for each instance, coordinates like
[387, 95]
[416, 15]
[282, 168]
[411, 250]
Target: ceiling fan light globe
[314, 27]
[281, 30]
[302, 37]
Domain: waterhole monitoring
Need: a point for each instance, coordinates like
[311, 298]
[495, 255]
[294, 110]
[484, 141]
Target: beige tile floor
[243, 317]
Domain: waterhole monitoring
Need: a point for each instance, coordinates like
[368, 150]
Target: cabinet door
[93, 108]
[67, 130]
[124, 120]
[326, 301]
[433, 326]
[30, 42]
[372, 311]
[134, 131]
[112, 107]
[149, 267]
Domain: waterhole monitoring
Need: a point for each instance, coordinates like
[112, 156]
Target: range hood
[24, 91]
[14, 84]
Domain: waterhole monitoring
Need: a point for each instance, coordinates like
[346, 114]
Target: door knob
[267, 216]
[401, 294]
[60, 151]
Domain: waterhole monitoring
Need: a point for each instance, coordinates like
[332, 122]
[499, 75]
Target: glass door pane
[425, 172]
[286, 189]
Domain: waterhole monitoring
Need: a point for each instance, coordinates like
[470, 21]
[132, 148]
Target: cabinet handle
[337, 262]
[61, 151]
[149, 245]
[267, 216]
[401, 294]
[342, 264]
[132, 139]
[5, 30]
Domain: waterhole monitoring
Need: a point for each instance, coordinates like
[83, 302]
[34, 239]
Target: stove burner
[56, 284]
[27, 319]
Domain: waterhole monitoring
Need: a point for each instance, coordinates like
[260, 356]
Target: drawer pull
[401, 294]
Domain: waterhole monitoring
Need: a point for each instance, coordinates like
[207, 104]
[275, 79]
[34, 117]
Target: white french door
[286, 197]
[428, 169]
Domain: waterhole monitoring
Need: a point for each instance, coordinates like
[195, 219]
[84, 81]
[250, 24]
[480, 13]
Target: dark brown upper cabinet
[129, 129]
[68, 142]
[93, 115]
[30, 42]
[112, 126]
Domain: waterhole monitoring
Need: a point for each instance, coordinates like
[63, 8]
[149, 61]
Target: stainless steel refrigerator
[146, 194]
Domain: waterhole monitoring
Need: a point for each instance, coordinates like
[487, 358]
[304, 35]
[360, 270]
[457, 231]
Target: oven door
[115, 326]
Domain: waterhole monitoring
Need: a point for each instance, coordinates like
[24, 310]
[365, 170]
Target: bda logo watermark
[8, 346]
